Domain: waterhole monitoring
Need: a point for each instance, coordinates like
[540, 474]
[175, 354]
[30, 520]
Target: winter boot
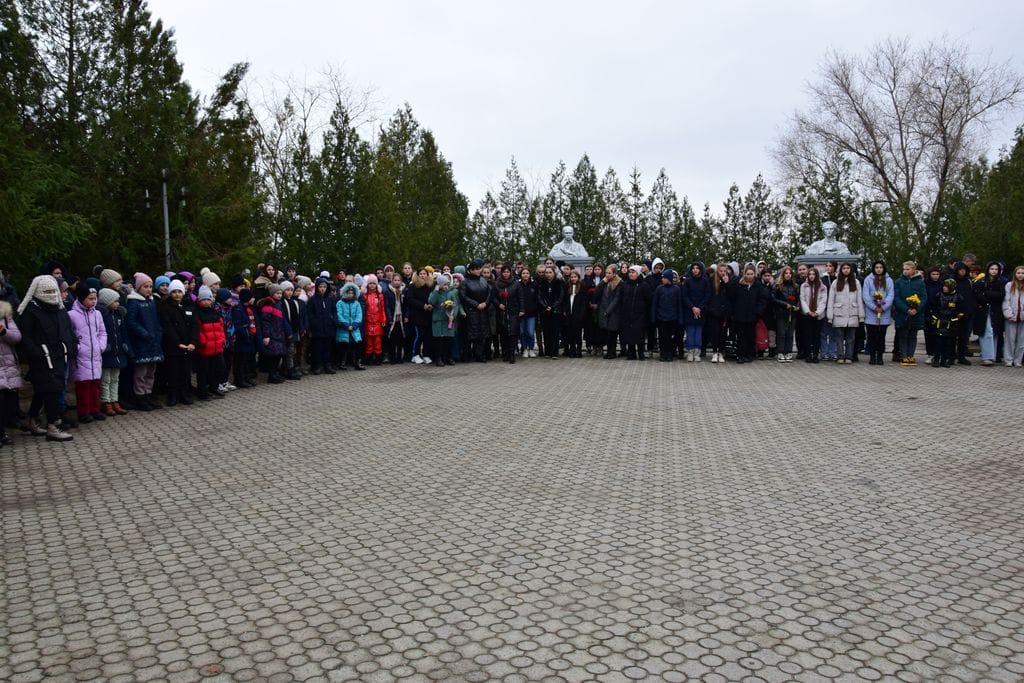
[55, 433]
[34, 428]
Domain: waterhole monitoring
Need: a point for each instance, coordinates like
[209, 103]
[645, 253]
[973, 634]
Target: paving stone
[555, 520]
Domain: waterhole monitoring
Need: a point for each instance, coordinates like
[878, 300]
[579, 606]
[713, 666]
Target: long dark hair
[813, 284]
[850, 280]
[879, 278]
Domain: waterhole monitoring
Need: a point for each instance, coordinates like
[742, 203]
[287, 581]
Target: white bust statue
[568, 246]
[828, 245]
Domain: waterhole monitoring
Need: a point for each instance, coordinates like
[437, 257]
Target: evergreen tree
[615, 203]
[665, 222]
[992, 224]
[485, 238]
[586, 212]
[514, 205]
[763, 218]
[635, 240]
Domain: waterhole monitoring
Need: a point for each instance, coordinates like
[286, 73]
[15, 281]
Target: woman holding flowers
[878, 294]
[910, 300]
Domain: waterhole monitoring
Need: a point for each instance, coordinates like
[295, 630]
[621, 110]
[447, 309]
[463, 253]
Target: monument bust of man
[568, 246]
[829, 245]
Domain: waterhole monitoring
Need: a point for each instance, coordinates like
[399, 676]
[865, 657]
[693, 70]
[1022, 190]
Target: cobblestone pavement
[555, 520]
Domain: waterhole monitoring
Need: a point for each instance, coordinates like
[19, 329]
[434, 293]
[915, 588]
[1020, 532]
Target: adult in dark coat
[749, 299]
[48, 343]
[636, 305]
[609, 309]
[476, 297]
[550, 293]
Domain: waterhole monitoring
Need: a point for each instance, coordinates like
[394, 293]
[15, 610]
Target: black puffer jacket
[549, 295]
[510, 295]
[636, 306]
[748, 301]
[417, 297]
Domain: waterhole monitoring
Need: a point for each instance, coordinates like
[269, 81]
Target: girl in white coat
[845, 311]
[1013, 314]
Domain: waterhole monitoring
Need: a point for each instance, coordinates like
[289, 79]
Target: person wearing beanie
[144, 338]
[374, 320]
[160, 286]
[445, 309]
[211, 279]
[180, 327]
[320, 314]
[116, 354]
[87, 368]
[294, 311]
[237, 281]
[396, 307]
[49, 344]
[246, 339]
[275, 333]
[224, 301]
[110, 279]
[209, 354]
[667, 315]
[946, 316]
[349, 333]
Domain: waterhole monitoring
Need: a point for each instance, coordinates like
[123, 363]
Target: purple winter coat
[10, 372]
[92, 339]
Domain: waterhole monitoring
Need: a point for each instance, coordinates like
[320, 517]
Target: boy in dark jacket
[946, 316]
[247, 334]
[320, 314]
[667, 313]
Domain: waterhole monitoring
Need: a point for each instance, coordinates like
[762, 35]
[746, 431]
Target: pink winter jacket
[92, 339]
[10, 372]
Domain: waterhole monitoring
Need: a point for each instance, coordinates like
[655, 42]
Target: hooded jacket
[49, 344]
[904, 288]
[143, 325]
[349, 314]
[91, 334]
[320, 311]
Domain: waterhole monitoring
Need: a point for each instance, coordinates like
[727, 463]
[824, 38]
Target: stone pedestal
[577, 262]
[820, 261]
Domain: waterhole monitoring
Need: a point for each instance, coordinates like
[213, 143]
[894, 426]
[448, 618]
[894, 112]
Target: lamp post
[165, 175]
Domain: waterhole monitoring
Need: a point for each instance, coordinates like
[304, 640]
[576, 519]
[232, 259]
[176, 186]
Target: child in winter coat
[10, 370]
[275, 331]
[813, 307]
[696, 292]
[845, 312]
[1013, 314]
[245, 322]
[116, 354]
[349, 331]
[180, 336]
[396, 306]
[50, 344]
[446, 306]
[294, 313]
[910, 300]
[224, 303]
[320, 312]
[374, 321]
[786, 302]
[91, 333]
[145, 337]
[877, 294]
[209, 360]
[667, 314]
[946, 315]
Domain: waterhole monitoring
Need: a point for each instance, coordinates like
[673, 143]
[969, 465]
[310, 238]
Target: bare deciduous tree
[907, 117]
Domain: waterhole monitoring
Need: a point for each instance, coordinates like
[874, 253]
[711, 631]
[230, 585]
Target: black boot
[141, 403]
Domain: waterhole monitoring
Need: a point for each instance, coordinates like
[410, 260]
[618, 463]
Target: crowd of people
[123, 341]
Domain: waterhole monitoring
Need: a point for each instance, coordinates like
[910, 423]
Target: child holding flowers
[445, 303]
[910, 299]
[878, 293]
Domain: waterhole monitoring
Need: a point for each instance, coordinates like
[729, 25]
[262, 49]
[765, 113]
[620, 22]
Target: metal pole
[167, 224]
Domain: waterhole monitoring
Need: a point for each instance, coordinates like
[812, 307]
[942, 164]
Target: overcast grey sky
[698, 88]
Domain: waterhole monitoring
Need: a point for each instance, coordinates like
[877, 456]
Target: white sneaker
[228, 386]
[714, 357]
[426, 360]
[696, 355]
[222, 387]
[417, 359]
[533, 353]
[721, 358]
[526, 353]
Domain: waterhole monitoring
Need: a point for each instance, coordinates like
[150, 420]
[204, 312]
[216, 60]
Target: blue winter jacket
[118, 352]
[321, 314]
[144, 334]
[246, 339]
[868, 295]
[349, 314]
[667, 304]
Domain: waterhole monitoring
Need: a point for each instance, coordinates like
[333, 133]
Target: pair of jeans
[528, 332]
[784, 330]
[906, 341]
[988, 341]
[846, 342]
[828, 340]
[695, 334]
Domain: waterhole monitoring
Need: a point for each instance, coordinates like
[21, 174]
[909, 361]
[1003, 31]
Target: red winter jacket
[375, 317]
[212, 337]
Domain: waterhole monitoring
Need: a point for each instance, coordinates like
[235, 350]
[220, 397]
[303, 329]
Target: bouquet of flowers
[448, 305]
[913, 302]
[878, 296]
